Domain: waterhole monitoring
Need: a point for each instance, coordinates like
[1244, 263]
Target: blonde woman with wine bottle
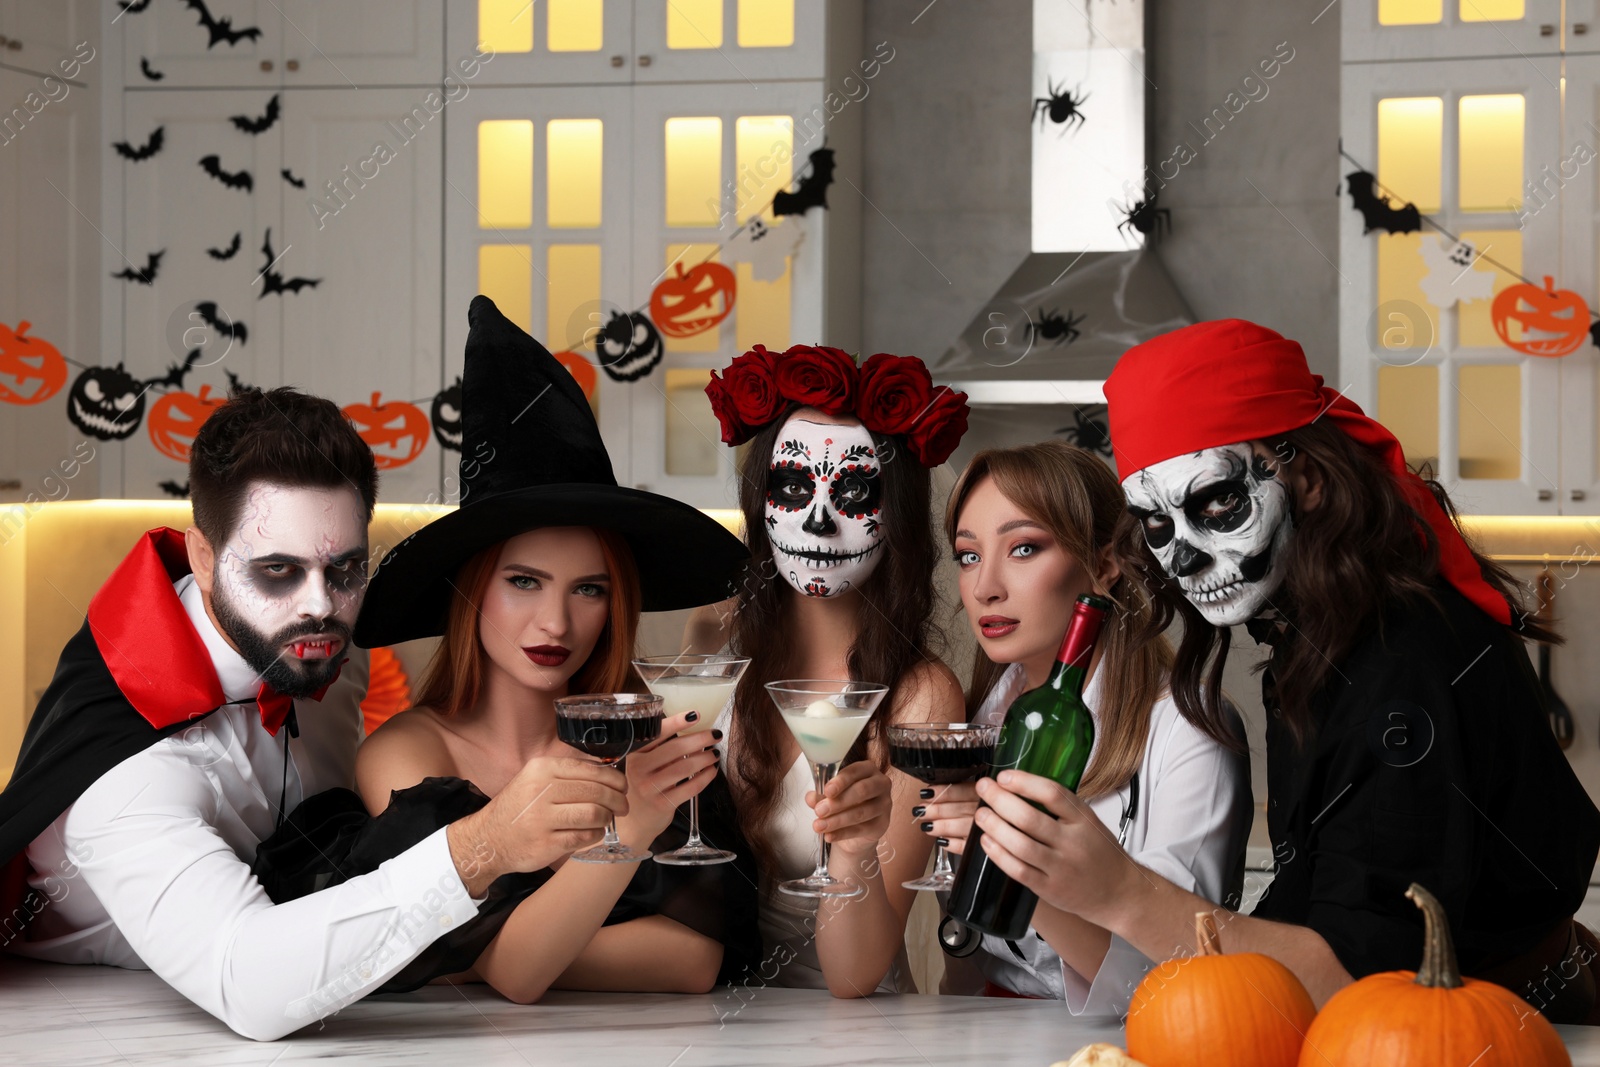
[1031, 529]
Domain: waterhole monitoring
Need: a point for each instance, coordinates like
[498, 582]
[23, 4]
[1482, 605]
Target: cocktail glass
[942, 753]
[608, 726]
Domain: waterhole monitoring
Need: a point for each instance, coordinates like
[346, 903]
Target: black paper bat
[236, 331]
[225, 253]
[177, 372]
[144, 68]
[298, 183]
[212, 165]
[146, 276]
[1376, 211]
[132, 7]
[272, 281]
[260, 125]
[151, 146]
[221, 29]
[813, 191]
[177, 489]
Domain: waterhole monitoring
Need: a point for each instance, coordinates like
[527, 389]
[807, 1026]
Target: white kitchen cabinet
[1403, 30]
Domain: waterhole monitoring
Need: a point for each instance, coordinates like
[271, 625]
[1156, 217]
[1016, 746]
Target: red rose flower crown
[889, 394]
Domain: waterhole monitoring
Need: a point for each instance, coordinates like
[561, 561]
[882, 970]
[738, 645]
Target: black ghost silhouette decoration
[144, 68]
[272, 281]
[221, 30]
[107, 403]
[151, 146]
[1376, 211]
[446, 416]
[226, 253]
[255, 127]
[177, 489]
[813, 189]
[147, 276]
[239, 179]
[628, 347]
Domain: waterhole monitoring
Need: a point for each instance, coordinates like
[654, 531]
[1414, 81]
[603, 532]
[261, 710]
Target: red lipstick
[997, 625]
[548, 655]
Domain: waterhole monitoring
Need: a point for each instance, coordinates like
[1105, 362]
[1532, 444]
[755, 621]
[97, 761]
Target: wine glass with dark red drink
[942, 753]
[608, 726]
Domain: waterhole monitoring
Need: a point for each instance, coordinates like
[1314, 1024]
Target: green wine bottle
[1047, 731]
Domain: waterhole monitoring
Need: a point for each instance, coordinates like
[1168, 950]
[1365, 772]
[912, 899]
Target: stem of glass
[694, 823]
[613, 843]
[941, 865]
[822, 774]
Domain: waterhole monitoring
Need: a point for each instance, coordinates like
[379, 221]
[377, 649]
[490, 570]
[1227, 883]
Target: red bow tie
[276, 707]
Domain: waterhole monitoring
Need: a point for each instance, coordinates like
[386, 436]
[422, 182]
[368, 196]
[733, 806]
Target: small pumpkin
[1431, 1015]
[24, 360]
[694, 300]
[177, 417]
[1554, 321]
[1243, 1010]
[397, 432]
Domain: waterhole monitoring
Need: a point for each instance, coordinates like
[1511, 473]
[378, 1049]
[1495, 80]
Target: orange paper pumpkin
[397, 432]
[582, 370]
[1431, 1016]
[1554, 321]
[26, 360]
[693, 301]
[1243, 1010]
[177, 417]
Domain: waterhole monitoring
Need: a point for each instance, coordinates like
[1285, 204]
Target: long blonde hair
[1073, 495]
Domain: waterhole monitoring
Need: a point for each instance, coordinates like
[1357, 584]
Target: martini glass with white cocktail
[825, 716]
[689, 682]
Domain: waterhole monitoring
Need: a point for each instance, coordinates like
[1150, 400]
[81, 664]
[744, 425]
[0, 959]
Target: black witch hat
[532, 456]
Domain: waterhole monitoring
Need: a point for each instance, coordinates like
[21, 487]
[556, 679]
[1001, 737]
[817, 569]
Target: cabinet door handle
[266, 64]
[1580, 28]
[1545, 494]
[1577, 494]
[293, 64]
[617, 61]
[644, 61]
[1546, 30]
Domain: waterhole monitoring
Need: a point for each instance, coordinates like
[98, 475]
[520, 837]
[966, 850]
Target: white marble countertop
[56, 1015]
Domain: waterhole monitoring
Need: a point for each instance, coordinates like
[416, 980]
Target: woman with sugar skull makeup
[1406, 741]
[835, 491]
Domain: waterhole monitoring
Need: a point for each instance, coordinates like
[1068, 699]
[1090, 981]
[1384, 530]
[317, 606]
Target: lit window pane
[505, 275]
[694, 171]
[1491, 10]
[1411, 149]
[1491, 153]
[505, 174]
[694, 437]
[1475, 329]
[506, 25]
[763, 160]
[762, 314]
[572, 291]
[1410, 12]
[766, 23]
[688, 255]
[1408, 405]
[694, 23]
[575, 25]
[573, 172]
[1490, 421]
[1406, 319]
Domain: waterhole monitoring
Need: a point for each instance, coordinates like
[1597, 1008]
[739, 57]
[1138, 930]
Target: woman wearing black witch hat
[536, 583]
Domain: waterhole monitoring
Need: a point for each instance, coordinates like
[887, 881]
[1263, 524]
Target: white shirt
[150, 868]
[1190, 826]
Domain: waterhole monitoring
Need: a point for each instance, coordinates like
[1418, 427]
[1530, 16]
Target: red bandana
[1220, 383]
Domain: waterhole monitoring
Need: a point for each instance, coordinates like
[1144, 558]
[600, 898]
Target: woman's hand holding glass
[664, 775]
[855, 811]
[950, 812]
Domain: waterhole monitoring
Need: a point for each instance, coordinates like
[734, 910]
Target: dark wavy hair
[1363, 548]
[894, 624]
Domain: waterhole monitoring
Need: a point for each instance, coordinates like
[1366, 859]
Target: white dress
[1190, 826]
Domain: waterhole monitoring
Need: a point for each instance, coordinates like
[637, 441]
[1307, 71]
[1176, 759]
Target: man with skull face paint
[1267, 499]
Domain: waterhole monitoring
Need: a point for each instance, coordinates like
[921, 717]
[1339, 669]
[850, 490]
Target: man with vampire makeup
[1406, 741]
[160, 756]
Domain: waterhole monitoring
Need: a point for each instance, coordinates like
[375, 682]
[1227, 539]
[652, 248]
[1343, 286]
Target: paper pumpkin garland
[1450, 278]
[177, 417]
[446, 416]
[582, 371]
[106, 403]
[628, 346]
[31, 370]
[396, 431]
[694, 300]
[1554, 322]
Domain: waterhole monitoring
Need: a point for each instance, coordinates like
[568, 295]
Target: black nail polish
[942, 842]
[927, 827]
[717, 752]
[926, 794]
[716, 735]
[693, 716]
[918, 812]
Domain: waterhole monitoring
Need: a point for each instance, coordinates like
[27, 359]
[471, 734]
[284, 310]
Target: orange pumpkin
[177, 417]
[1243, 1010]
[1554, 321]
[26, 359]
[1431, 1015]
[397, 432]
[694, 301]
[582, 370]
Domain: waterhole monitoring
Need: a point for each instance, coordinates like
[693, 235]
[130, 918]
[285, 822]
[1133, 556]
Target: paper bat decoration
[177, 489]
[177, 372]
[144, 68]
[813, 191]
[221, 29]
[225, 253]
[1450, 276]
[151, 146]
[298, 183]
[261, 125]
[1376, 211]
[766, 248]
[272, 281]
[212, 165]
[148, 275]
[236, 331]
[132, 7]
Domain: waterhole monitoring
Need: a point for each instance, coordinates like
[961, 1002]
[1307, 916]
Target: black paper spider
[1053, 327]
[1089, 431]
[1144, 216]
[1059, 107]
